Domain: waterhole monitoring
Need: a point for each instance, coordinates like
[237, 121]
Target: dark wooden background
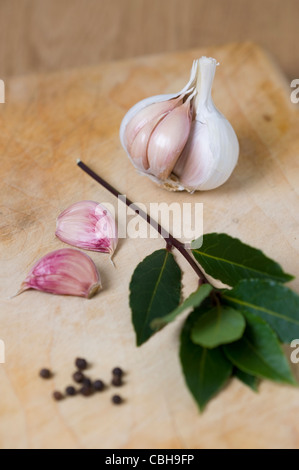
[48, 35]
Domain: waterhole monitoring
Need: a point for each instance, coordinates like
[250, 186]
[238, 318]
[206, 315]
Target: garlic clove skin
[126, 132]
[168, 140]
[225, 150]
[212, 151]
[88, 225]
[150, 113]
[64, 272]
[209, 156]
[138, 149]
[196, 162]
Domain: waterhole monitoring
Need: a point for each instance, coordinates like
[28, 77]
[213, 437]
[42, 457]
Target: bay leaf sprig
[232, 332]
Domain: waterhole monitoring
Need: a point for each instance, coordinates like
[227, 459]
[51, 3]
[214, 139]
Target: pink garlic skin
[64, 272]
[138, 150]
[88, 225]
[168, 140]
[148, 114]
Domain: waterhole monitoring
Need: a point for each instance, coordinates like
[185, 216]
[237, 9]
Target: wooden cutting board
[47, 123]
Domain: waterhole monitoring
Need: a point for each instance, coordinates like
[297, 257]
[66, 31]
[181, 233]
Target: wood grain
[48, 122]
[49, 35]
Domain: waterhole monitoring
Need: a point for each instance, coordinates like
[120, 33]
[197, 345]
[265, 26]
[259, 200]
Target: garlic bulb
[182, 141]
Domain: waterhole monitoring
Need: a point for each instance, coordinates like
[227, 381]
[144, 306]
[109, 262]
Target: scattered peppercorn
[87, 382]
[116, 399]
[81, 363]
[87, 386]
[118, 371]
[58, 396]
[86, 391]
[45, 374]
[78, 377]
[116, 381]
[98, 385]
[71, 391]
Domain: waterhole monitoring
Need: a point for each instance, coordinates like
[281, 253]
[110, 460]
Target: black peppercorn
[57, 396]
[98, 385]
[71, 391]
[116, 381]
[78, 377]
[117, 371]
[86, 391]
[116, 399]
[45, 374]
[87, 382]
[81, 363]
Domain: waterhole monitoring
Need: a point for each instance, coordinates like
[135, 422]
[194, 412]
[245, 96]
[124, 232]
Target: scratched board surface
[49, 121]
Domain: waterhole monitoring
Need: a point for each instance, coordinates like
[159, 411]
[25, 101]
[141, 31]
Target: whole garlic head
[181, 141]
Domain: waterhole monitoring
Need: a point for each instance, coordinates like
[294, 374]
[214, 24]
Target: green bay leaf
[194, 300]
[250, 380]
[155, 290]
[218, 325]
[259, 352]
[205, 370]
[276, 304]
[230, 260]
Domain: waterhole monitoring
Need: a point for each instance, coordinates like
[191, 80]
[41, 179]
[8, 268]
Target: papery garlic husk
[182, 141]
[88, 225]
[64, 272]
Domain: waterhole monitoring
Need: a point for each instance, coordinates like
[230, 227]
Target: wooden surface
[46, 124]
[49, 35]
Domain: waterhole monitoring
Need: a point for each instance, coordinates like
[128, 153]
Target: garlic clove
[138, 149]
[146, 115]
[88, 225]
[168, 140]
[64, 272]
[126, 132]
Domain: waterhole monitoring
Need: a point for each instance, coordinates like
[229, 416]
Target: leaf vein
[262, 309]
